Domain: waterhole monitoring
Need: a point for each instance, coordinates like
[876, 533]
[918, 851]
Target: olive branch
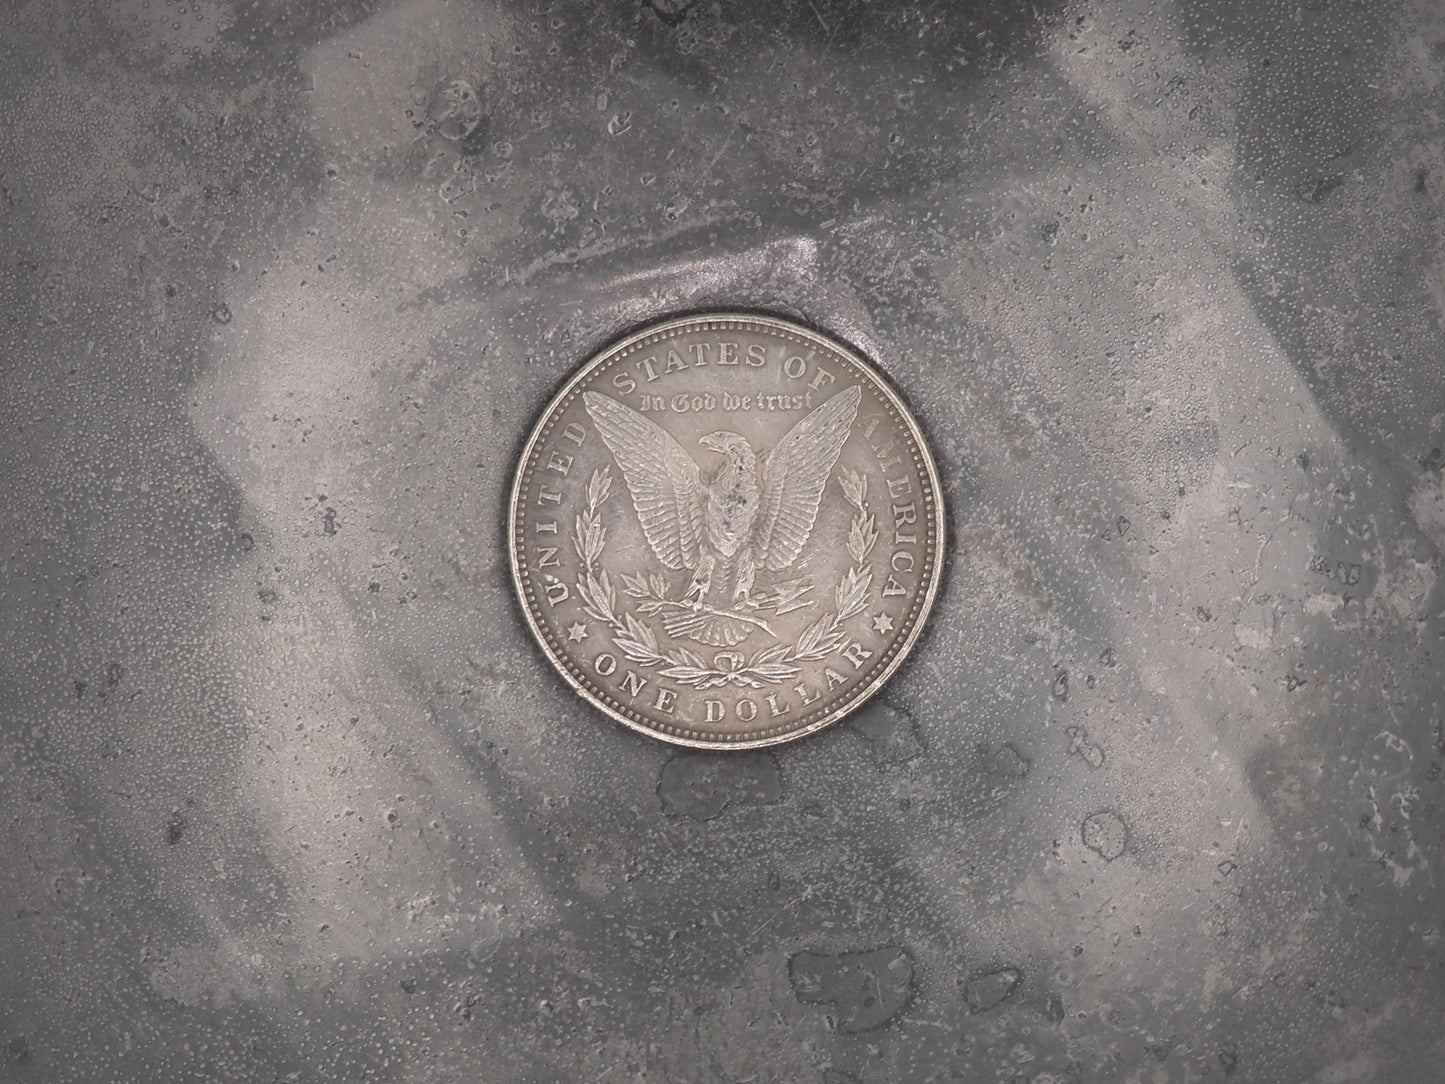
[636, 641]
[771, 665]
[826, 635]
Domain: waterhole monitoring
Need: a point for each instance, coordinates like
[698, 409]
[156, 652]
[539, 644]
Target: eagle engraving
[726, 524]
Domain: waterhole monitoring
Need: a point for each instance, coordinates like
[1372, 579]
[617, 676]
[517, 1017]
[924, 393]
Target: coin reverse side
[726, 531]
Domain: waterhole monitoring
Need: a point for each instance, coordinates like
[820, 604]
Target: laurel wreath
[772, 665]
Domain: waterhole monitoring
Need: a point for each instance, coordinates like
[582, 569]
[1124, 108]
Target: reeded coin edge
[891, 658]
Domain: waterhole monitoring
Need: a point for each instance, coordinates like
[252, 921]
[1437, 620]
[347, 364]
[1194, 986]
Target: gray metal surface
[287, 792]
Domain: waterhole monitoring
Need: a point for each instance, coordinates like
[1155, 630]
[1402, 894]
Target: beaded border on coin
[886, 665]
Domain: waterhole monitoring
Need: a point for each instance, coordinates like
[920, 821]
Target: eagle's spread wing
[663, 479]
[794, 476]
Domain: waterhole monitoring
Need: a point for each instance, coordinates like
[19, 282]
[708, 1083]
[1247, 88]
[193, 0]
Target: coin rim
[925, 456]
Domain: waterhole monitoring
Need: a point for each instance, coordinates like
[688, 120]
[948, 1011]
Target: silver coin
[726, 531]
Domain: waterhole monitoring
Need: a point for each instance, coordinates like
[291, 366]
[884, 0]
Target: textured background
[285, 791]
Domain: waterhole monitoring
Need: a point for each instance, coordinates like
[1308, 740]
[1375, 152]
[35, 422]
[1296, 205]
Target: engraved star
[577, 632]
[883, 623]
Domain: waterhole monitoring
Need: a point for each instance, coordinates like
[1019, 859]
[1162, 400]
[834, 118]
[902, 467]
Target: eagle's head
[725, 441]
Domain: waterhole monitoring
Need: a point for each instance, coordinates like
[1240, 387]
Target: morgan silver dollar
[726, 531]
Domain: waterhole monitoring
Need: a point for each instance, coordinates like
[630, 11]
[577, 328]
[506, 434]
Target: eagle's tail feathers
[706, 628]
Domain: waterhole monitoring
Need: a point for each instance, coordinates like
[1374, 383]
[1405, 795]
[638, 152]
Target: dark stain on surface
[866, 989]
